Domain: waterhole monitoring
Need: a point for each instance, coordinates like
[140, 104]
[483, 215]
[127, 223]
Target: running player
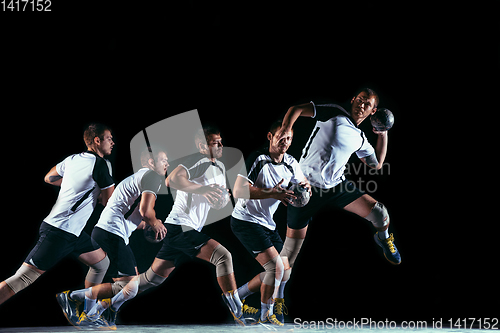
[193, 179]
[269, 171]
[132, 202]
[84, 178]
[335, 138]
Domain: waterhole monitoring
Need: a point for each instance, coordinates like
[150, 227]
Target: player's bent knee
[117, 286]
[97, 271]
[22, 279]
[291, 249]
[149, 279]
[379, 216]
[222, 260]
[274, 270]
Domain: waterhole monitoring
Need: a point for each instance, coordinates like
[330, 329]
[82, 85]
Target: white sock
[281, 290]
[264, 307]
[79, 295]
[383, 234]
[89, 301]
[244, 292]
[97, 310]
[234, 302]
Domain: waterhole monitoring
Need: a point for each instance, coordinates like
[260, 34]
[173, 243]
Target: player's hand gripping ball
[222, 201]
[382, 120]
[302, 194]
[150, 234]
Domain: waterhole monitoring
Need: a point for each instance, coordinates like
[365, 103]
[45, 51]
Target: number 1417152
[26, 5]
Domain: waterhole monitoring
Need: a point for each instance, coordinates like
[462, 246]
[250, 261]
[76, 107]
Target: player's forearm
[293, 113]
[381, 148]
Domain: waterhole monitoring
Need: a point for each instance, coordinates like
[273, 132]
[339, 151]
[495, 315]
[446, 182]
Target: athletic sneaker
[280, 309]
[86, 323]
[271, 319]
[250, 314]
[110, 317]
[238, 320]
[391, 253]
[69, 307]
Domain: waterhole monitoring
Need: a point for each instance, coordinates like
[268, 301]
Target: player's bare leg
[375, 212]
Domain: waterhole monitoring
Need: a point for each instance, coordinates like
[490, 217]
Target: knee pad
[379, 216]
[97, 271]
[23, 278]
[149, 279]
[118, 286]
[274, 270]
[291, 249]
[222, 260]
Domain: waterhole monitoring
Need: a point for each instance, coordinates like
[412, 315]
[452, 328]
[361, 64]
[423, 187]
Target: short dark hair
[94, 130]
[204, 132]
[370, 93]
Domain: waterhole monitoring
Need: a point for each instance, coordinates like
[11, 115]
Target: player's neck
[275, 156]
[96, 151]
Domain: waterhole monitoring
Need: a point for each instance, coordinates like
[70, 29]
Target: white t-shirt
[121, 215]
[84, 176]
[333, 140]
[263, 172]
[191, 209]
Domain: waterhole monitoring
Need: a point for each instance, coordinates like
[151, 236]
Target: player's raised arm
[293, 113]
[53, 178]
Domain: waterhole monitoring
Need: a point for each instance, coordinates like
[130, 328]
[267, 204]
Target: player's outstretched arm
[53, 178]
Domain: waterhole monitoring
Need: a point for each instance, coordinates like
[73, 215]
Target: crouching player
[269, 171]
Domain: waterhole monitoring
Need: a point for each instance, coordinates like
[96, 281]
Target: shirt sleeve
[324, 112]
[61, 167]
[298, 175]
[366, 148]
[151, 182]
[102, 174]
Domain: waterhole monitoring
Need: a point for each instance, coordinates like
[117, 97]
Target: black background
[132, 64]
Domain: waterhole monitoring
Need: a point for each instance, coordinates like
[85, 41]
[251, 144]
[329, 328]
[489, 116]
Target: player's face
[362, 107]
[280, 146]
[214, 146]
[106, 144]
[161, 164]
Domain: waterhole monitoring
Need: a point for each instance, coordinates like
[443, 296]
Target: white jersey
[191, 209]
[121, 215]
[263, 172]
[84, 176]
[332, 142]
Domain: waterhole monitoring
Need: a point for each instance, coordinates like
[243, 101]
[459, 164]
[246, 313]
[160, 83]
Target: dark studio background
[242, 66]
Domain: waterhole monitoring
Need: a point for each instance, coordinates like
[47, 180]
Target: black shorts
[121, 257]
[336, 197]
[54, 244]
[179, 244]
[255, 237]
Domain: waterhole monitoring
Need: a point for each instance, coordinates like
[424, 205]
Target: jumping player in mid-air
[131, 206]
[84, 179]
[269, 172]
[333, 140]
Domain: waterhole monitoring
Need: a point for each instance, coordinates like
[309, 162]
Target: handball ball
[149, 234]
[382, 120]
[302, 195]
[224, 199]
